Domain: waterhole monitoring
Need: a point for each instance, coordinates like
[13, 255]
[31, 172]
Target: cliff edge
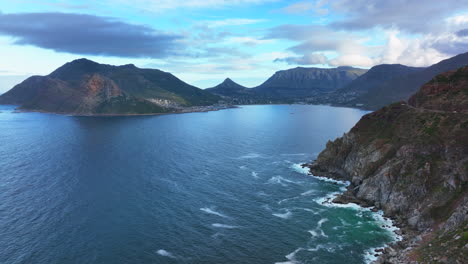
[411, 161]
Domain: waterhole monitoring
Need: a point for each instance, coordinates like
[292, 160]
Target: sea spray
[370, 255]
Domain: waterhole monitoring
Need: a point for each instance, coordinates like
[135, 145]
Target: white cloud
[249, 41]
[411, 51]
[308, 59]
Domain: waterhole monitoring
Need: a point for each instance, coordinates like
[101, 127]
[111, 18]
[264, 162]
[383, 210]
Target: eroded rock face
[409, 160]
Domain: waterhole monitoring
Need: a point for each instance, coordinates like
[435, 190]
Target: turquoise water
[217, 187]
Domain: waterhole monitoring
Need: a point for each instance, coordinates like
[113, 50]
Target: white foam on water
[255, 175]
[213, 212]
[243, 167]
[251, 156]
[343, 222]
[294, 154]
[313, 233]
[279, 180]
[318, 230]
[223, 226]
[291, 257]
[304, 170]
[345, 183]
[321, 221]
[370, 255]
[165, 253]
[285, 215]
[287, 199]
[315, 249]
[327, 201]
[298, 168]
[387, 224]
[306, 209]
[307, 193]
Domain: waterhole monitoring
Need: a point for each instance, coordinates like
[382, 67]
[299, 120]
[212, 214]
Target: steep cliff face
[410, 160]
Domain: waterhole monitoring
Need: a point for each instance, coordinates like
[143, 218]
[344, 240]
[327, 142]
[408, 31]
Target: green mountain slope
[86, 87]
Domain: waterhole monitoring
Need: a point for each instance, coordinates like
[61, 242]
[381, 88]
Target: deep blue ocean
[217, 187]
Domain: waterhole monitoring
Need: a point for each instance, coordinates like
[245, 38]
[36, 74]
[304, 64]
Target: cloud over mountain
[88, 35]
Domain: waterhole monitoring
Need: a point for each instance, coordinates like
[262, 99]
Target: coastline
[202, 109]
[345, 198]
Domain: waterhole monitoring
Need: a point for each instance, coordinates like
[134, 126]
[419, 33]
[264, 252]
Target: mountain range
[344, 86]
[86, 87]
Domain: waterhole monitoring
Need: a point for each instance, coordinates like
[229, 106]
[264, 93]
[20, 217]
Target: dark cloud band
[88, 35]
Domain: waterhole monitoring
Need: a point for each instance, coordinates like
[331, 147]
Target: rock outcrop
[411, 161]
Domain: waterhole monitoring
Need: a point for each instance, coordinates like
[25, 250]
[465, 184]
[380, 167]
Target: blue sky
[203, 42]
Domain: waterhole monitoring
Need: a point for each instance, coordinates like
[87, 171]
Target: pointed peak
[228, 80]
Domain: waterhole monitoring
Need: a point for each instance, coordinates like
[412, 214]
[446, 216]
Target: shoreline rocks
[412, 163]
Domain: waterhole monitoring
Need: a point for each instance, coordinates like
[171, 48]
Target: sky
[203, 42]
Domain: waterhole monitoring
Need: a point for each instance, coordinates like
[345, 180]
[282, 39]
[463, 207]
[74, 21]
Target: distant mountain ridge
[398, 89]
[86, 87]
[300, 81]
[376, 75]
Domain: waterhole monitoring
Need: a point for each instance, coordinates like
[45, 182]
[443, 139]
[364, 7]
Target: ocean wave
[213, 212]
[251, 156]
[287, 199]
[285, 215]
[291, 257]
[387, 224]
[307, 193]
[255, 175]
[223, 226]
[294, 154]
[306, 209]
[279, 180]
[165, 253]
[318, 230]
[299, 169]
[371, 255]
[345, 183]
[321, 221]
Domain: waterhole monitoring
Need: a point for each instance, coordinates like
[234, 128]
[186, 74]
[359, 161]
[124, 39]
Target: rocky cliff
[411, 161]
